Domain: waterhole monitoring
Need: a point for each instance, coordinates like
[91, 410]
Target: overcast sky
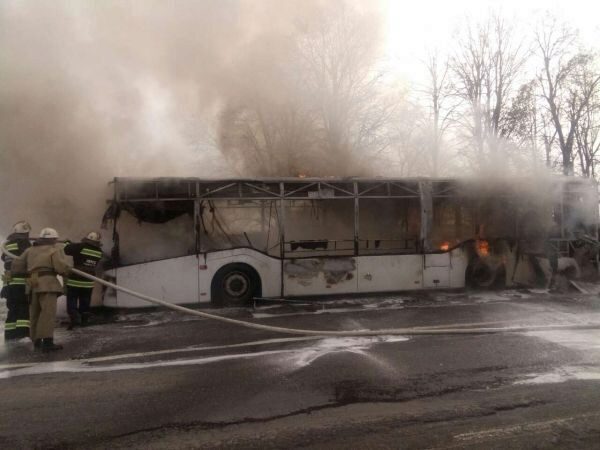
[413, 26]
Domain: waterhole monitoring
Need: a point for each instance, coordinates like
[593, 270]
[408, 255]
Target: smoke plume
[94, 90]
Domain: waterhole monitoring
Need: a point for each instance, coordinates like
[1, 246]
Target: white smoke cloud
[93, 90]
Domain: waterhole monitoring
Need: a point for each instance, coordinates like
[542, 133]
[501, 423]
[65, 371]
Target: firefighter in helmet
[43, 262]
[17, 318]
[86, 256]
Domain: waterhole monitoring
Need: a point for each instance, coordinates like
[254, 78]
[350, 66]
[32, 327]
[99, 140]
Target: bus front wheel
[235, 285]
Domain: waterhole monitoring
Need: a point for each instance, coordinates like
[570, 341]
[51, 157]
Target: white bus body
[187, 279]
[355, 264]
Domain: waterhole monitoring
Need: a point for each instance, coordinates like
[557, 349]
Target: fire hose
[324, 333]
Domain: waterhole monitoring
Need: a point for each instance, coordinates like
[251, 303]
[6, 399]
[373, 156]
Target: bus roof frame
[129, 189]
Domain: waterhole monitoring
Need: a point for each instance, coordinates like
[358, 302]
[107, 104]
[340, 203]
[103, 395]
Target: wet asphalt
[157, 379]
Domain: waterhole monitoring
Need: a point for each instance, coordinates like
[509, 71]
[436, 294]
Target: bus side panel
[388, 273]
[459, 261]
[319, 276]
[445, 270]
[173, 280]
[268, 268]
[436, 270]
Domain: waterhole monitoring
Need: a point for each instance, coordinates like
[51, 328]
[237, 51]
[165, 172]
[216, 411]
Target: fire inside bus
[189, 240]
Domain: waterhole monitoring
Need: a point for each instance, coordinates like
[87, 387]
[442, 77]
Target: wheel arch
[215, 294]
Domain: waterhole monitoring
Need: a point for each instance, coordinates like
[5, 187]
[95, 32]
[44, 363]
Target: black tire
[234, 285]
[479, 275]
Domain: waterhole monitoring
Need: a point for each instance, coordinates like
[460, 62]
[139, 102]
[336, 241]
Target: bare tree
[324, 110]
[587, 137]
[568, 84]
[265, 139]
[520, 124]
[352, 110]
[438, 96]
[485, 70]
[548, 137]
[470, 68]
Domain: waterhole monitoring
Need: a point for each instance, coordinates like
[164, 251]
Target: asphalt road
[157, 379]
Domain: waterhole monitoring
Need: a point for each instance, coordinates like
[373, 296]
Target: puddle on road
[581, 340]
[500, 296]
[563, 374]
[262, 315]
[299, 357]
[330, 307]
[574, 339]
[153, 319]
[426, 300]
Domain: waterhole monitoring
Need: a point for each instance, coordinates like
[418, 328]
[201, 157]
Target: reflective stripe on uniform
[16, 281]
[10, 326]
[22, 323]
[12, 247]
[81, 284]
[90, 252]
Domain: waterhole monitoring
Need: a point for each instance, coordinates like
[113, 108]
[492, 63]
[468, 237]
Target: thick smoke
[94, 90]
[320, 107]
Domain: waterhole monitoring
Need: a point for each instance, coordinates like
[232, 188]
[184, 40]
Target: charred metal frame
[278, 190]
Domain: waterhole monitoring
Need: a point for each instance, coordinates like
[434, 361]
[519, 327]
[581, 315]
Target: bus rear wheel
[480, 275]
[234, 285]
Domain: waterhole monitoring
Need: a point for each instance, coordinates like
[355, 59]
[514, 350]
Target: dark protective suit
[86, 256]
[17, 318]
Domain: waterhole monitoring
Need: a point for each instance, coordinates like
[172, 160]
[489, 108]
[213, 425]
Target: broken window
[389, 225]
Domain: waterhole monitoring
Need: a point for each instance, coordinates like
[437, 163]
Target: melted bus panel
[197, 239]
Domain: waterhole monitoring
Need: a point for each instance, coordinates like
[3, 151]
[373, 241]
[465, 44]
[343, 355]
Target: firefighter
[43, 262]
[17, 319]
[86, 256]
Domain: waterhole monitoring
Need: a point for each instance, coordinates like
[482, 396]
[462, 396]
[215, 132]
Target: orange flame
[301, 175]
[483, 248]
[445, 246]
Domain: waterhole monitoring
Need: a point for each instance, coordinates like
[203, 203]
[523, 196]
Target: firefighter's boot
[48, 345]
[85, 319]
[74, 320]
[37, 344]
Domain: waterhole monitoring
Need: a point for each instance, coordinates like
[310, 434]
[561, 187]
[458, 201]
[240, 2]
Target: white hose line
[383, 332]
[295, 331]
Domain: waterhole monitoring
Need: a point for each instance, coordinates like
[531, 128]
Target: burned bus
[189, 240]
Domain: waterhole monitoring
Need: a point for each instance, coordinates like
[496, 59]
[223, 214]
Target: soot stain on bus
[334, 270]
[314, 236]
